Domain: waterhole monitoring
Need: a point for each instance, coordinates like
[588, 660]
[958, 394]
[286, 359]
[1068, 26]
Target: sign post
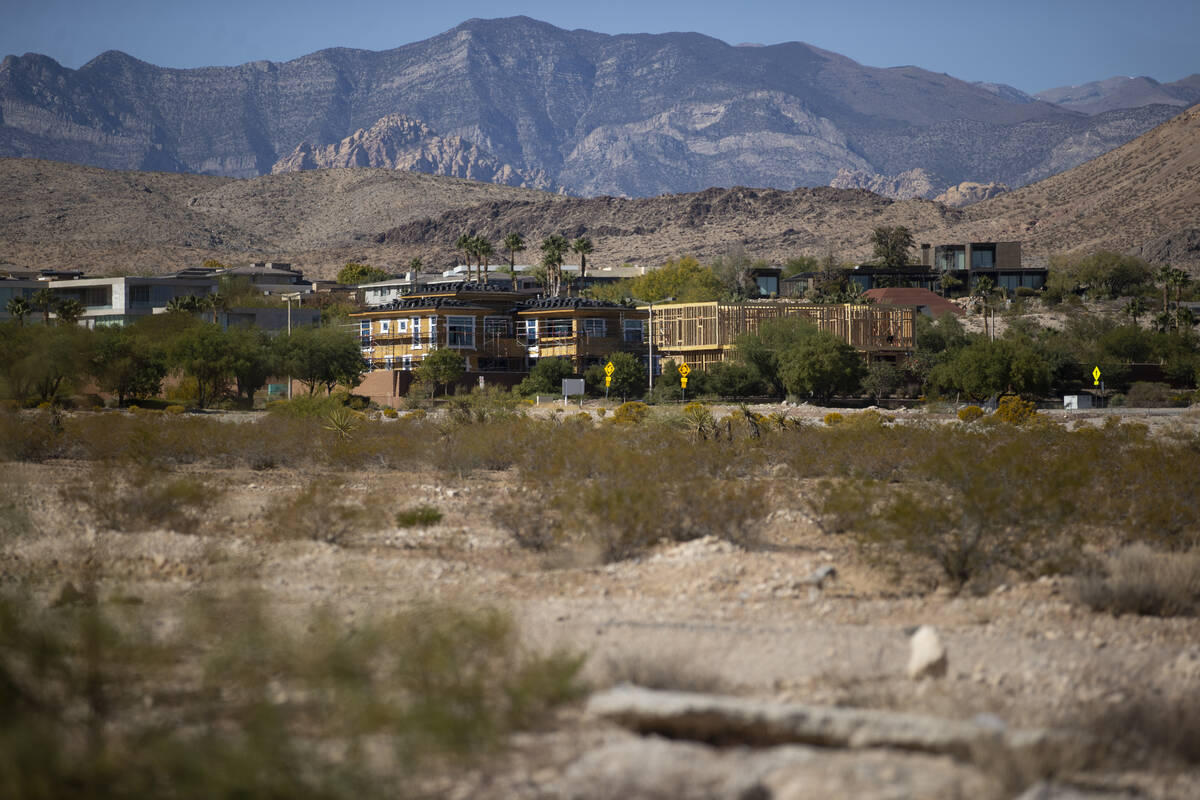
[1096, 381]
[684, 371]
[609, 369]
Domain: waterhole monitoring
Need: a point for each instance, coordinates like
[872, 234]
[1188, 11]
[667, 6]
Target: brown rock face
[399, 142]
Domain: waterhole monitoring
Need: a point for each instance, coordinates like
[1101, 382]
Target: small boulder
[927, 655]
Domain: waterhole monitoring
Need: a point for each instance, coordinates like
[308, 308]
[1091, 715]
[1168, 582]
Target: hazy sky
[1032, 45]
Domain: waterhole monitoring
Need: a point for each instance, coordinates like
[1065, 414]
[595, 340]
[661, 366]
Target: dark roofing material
[425, 302]
[548, 303]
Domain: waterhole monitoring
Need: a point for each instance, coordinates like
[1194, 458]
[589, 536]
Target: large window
[594, 328]
[364, 333]
[527, 331]
[983, 259]
[460, 332]
[416, 332]
[633, 331]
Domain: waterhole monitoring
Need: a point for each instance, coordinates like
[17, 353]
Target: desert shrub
[699, 420]
[29, 436]
[322, 511]
[143, 498]
[309, 405]
[530, 522]
[630, 413]
[1145, 729]
[1015, 411]
[1139, 580]
[1150, 395]
[269, 713]
[969, 414]
[174, 410]
[390, 412]
[870, 419]
[833, 418]
[463, 449]
[418, 517]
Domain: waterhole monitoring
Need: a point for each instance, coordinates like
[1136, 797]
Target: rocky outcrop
[398, 142]
[983, 752]
[968, 192]
[913, 183]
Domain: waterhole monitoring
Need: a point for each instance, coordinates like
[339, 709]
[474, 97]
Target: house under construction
[704, 333]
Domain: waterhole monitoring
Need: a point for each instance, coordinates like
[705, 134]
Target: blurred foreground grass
[227, 703]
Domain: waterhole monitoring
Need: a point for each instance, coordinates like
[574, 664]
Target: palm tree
[19, 308]
[582, 246]
[69, 311]
[43, 300]
[483, 252]
[1135, 308]
[185, 303]
[513, 243]
[465, 242]
[553, 248]
[1163, 276]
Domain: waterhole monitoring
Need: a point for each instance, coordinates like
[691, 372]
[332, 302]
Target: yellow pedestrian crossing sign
[1096, 376]
[609, 369]
[684, 371]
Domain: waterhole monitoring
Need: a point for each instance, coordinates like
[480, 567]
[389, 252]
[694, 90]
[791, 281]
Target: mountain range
[520, 102]
[1142, 197]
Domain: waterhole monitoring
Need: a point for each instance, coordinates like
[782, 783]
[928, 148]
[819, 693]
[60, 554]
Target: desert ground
[1109, 697]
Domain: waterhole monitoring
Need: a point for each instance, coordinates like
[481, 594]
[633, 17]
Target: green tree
[685, 280]
[442, 367]
[628, 378]
[40, 362]
[253, 360]
[126, 363]
[1135, 308]
[764, 349]
[513, 243]
[583, 248]
[985, 368]
[821, 365]
[1102, 275]
[201, 352]
[19, 308]
[891, 245]
[484, 251]
[321, 357]
[466, 243]
[43, 300]
[554, 248]
[353, 274]
[546, 376]
[882, 379]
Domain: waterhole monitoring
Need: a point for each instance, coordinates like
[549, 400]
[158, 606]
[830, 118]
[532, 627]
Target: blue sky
[1030, 45]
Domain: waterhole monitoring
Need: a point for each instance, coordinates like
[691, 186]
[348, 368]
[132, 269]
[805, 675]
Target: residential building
[496, 330]
[119, 301]
[581, 330]
[947, 269]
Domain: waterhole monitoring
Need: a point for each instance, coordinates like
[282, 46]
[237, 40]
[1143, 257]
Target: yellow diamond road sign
[684, 370]
[1096, 375]
[609, 369]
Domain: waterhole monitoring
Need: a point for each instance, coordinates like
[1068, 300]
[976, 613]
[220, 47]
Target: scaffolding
[704, 333]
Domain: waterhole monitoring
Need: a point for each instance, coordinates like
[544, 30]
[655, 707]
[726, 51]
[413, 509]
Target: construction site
[701, 334]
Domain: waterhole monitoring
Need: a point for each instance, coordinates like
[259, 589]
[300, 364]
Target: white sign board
[572, 387]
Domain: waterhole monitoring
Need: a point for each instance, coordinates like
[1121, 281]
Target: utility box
[1074, 402]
